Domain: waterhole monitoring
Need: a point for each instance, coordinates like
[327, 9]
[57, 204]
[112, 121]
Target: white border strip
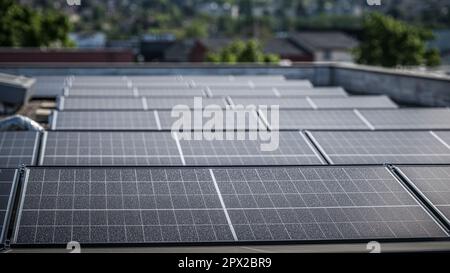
[276, 92]
[180, 151]
[144, 103]
[61, 103]
[363, 118]
[44, 143]
[135, 92]
[319, 147]
[223, 205]
[311, 102]
[158, 122]
[440, 139]
[312, 148]
[36, 144]
[54, 120]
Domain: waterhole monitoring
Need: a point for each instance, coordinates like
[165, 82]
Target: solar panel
[98, 81]
[7, 180]
[109, 148]
[293, 149]
[238, 120]
[75, 103]
[433, 183]
[427, 119]
[354, 102]
[120, 205]
[310, 204]
[283, 103]
[316, 120]
[104, 120]
[403, 147]
[256, 84]
[17, 148]
[162, 205]
[171, 92]
[240, 92]
[170, 103]
[98, 92]
[312, 92]
[48, 86]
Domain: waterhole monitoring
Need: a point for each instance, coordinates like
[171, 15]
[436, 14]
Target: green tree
[389, 42]
[20, 26]
[242, 52]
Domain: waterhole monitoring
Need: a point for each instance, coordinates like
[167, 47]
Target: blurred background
[398, 33]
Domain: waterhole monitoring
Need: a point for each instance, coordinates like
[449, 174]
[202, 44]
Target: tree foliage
[20, 26]
[389, 42]
[243, 52]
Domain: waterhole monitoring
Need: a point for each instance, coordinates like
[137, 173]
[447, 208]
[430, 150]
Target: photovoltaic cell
[241, 92]
[283, 103]
[75, 103]
[170, 103]
[7, 180]
[310, 204]
[109, 148]
[48, 86]
[312, 92]
[427, 119]
[120, 206]
[293, 149]
[17, 148]
[406, 147]
[99, 92]
[104, 120]
[316, 120]
[433, 182]
[171, 92]
[354, 102]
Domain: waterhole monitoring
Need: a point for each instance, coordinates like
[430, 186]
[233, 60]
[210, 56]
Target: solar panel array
[115, 168]
[132, 205]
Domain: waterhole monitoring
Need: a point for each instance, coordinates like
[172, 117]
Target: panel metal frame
[10, 207]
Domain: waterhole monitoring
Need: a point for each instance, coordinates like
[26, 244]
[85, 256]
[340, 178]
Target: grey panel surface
[409, 118]
[241, 92]
[355, 102]
[104, 120]
[283, 103]
[433, 182]
[312, 92]
[292, 149]
[48, 86]
[109, 148]
[406, 147]
[315, 120]
[282, 204]
[170, 103]
[74, 103]
[171, 92]
[105, 92]
[120, 206]
[17, 148]
[230, 120]
[7, 180]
